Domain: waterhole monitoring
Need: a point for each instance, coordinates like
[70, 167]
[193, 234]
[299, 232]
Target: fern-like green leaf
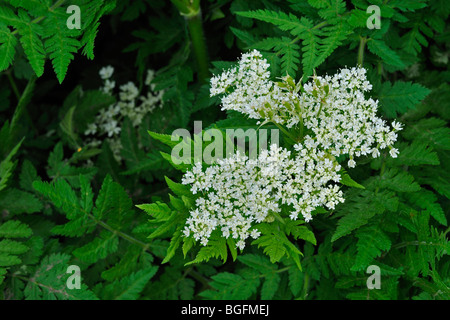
[400, 97]
[15, 201]
[7, 166]
[416, 154]
[49, 281]
[334, 38]
[102, 246]
[60, 41]
[229, 286]
[15, 229]
[8, 43]
[216, 248]
[427, 201]
[276, 245]
[30, 38]
[286, 22]
[129, 287]
[267, 270]
[387, 55]
[432, 131]
[399, 181]
[372, 241]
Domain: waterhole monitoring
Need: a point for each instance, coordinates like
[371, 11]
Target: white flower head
[132, 105]
[106, 72]
[334, 108]
[237, 193]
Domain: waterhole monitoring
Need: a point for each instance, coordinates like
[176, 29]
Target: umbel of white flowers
[108, 122]
[236, 193]
[332, 107]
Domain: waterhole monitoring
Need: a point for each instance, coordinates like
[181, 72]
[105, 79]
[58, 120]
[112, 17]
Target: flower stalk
[192, 12]
[362, 44]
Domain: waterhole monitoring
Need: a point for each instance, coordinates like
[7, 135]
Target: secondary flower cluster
[342, 119]
[238, 192]
[332, 107]
[248, 89]
[108, 121]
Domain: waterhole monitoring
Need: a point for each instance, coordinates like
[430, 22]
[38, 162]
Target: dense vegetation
[87, 178]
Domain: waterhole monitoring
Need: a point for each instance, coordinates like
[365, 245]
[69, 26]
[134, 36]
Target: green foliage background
[56, 211]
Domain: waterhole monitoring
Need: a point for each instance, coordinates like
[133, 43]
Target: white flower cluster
[238, 192]
[342, 119]
[108, 121]
[334, 108]
[248, 89]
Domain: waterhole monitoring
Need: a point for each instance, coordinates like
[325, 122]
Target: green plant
[131, 227]
[44, 34]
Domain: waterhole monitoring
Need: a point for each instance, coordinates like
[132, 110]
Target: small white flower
[393, 152]
[442, 57]
[106, 72]
[397, 126]
[128, 92]
[255, 234]
[351, 163]
[150, 77]
[111, 128]
[375, 153]
[240, 244]
[91, 129]
[108, 86]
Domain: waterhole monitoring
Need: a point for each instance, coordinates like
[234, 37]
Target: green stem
[145, 247]
[320, 25]
[301, 129]
[197, 276]
[362, 44]
[305, 286]
[192, 12]
[24, 99]
[301, 121]
[183, 6]
[124, 236]
[317, 26]
[199, 45]
[383, 167]
[380, 68]
[50, 289]
[290, 136]
[15, 127]
[320, 109]
[410, 243]
[13, 85]
[278, 217]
